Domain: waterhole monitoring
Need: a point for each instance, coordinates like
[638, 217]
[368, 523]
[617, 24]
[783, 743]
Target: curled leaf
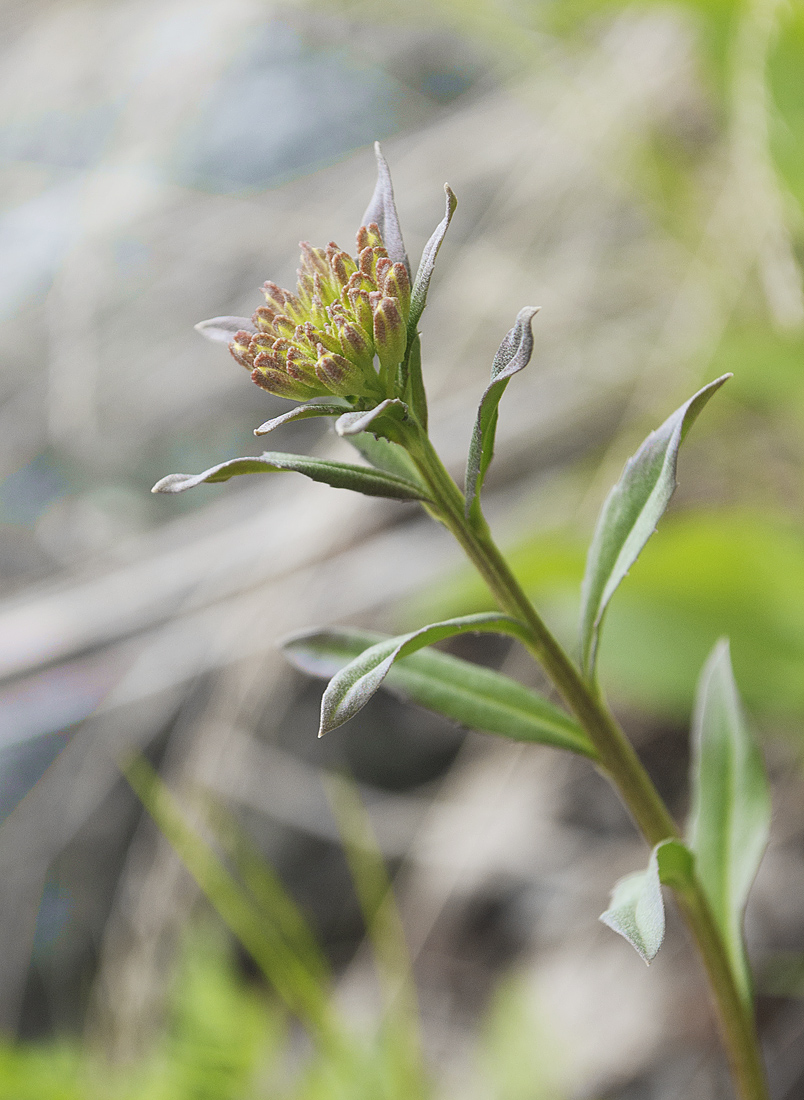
[223, 329]
[382, 211]
[340, 475]
[301, 412]
[421, 285]
[629, 517]
[512, 355]
[636, 910]
[477, 697]
[353, 423]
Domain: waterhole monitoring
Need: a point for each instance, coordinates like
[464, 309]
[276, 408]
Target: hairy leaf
[418, 295]
[636, 910]
[470, 694]
[301, 412]
[374, 483]
[382, 210]
[512, 355]
[730, 814]
[629, 517]
[353, 423]
[222, 329]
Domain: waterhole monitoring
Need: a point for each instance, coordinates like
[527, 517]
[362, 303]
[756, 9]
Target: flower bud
[339, 375]
[397, 285]
[239, 347]
[284, 327]
[263, 318]
[361, 307]
[301, 368]
[357, 345]
[280, 384]
[275, 296]
[390, 332]
[313, 259]
[343, 267]
[369, 236]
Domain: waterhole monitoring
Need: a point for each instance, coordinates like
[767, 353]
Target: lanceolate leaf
[382, 211]
[418, 296]
[474, 696]
[374, 483]
[512, 355]
[301, 412]
[629, 517]
[351, 688]
[412, 381]
[730, 803]
[636, 910]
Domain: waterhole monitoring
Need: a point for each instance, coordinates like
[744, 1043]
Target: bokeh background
[637, 170]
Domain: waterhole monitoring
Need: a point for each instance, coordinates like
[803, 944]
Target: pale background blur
[637, 171]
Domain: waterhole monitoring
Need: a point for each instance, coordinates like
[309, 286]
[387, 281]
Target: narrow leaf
[301, 412]
[476, 697]
[382, 210]
[730, 815]
[374, 483]
[512, 355]
[413, 382]
[418, 295]
[351, 688]
[629, 517]
[353, 423]
[636, 910]
[222, 329]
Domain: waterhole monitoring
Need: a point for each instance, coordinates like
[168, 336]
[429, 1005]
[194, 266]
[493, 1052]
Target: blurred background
[637, 170]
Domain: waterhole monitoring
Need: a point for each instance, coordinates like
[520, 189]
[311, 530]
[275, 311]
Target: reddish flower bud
[357, 345]
[397, 285]
[239, 347]
[390, 332]
[339, 375]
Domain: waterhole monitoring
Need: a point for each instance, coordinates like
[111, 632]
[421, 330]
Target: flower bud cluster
[322, 340]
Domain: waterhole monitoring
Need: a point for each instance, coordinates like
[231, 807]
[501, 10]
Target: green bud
[390, 333]
[397, 285]
[357, 345]
[339, 375]
[279, 383]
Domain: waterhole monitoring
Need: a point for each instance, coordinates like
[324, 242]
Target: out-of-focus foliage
[222, 1037]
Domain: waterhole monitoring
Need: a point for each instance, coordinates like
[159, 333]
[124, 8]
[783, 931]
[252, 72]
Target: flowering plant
[347, 345]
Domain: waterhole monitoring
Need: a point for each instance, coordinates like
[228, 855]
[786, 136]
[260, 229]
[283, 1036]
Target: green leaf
[301, 412]
[629, 517]
[413, 382]
[636, 910]
[418, 294]
[676, 864]
[374, 483]
[512, 355]
[382, 211]
[470, 694]
[730, 815]
[388, 456]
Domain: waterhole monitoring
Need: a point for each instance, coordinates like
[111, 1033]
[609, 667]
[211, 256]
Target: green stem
[616, 756]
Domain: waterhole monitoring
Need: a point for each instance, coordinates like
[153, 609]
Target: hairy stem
[616, 756]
